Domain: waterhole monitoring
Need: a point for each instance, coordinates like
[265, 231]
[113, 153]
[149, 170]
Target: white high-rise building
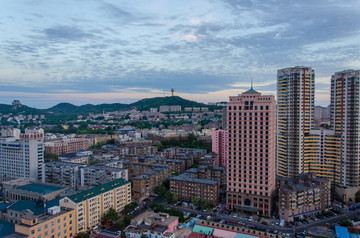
[21, 154]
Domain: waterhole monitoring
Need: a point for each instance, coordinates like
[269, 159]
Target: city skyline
[106, 51]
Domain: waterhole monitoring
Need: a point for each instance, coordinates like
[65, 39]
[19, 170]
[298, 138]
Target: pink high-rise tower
[219, 146]
[251, 123]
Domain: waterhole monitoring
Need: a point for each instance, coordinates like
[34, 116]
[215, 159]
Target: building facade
[90, 205]
[251, 180]
[219, 146]
[345, 119]
[302, 197]
[187, 188]
[21, 154]
[67, 146]
[295, 113]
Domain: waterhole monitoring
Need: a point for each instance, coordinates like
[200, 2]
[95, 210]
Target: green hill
[68, 109]
[145, 104]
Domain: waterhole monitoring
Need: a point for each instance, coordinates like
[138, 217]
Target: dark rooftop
[40, 188]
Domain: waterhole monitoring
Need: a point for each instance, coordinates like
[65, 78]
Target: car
[250, 218]
[264, 223]
[277, 222]
[204, 210]
[259, 219]
[208, 218]
[198, 216]
[241, 223]
[235, 215]
[222, 221]
[272, 223]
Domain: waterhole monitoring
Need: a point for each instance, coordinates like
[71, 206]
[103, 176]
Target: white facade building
[21, 154]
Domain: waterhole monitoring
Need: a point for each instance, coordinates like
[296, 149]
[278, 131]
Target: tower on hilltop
[172, 92]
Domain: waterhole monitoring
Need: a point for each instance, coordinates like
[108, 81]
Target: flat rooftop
[40, 188]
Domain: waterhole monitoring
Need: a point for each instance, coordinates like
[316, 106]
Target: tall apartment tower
[295, 111]
[219, 146]
[21, 155]
[345, 118]
[251, 123]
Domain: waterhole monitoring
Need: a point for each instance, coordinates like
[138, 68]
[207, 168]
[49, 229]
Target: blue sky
[93, 51]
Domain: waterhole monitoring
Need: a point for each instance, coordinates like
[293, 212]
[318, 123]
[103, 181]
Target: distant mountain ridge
[143, 104]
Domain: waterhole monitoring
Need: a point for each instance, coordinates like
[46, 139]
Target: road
[291, 231]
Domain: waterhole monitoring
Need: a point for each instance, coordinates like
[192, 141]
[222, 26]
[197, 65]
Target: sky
[101, 51]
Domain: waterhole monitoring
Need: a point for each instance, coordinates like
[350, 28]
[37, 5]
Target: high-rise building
[21, 154]
[251, 123]
[219, 146]
[345, 119]
[295, 111]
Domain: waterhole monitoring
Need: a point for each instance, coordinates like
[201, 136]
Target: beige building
[60, 224]
[90, 205]
[67, 146]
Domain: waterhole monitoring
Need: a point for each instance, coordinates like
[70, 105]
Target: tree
[123, 235]
[195, 202]
[205, 204]
[82, 235]
[160, 190]
[168, 197]
[175, 198]
[357, 197]
[111, 216]
[143, 236]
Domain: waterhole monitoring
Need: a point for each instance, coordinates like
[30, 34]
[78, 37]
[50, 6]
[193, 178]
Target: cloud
[67, 33]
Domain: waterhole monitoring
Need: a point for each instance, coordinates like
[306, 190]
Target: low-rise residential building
[97, 175]
[213, 173]
[152, 224]
[66, 146]
[30, 190]
[304, 196]
[90, 205]
[187, 187]
[66, 174]
[75, 175]
[144, 185]
[33, 219]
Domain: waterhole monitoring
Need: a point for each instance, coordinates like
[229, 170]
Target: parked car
[235, 215]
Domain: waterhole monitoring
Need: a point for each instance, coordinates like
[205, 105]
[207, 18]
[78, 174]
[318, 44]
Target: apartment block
[144, 185]
[90, 205]
[187, 188]
[213, 173]
[21, 154]
[75, 175]
[97, 175]
[295, 117]
[32, 220]
[345, 119]
[304, 196]
[219, 146]
[251, 180]
[66, 146]
[65, 174]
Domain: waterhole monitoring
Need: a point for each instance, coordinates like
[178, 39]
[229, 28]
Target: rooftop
[84, 195]
[7, 228]
[22, 205]
[40, 188]
[185, 177]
